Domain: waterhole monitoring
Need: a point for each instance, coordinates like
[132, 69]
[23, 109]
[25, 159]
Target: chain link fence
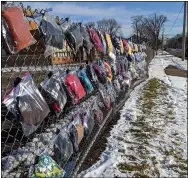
[19, 152]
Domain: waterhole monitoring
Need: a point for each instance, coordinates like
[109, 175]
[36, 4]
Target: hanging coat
[18, 28]
[103, 41]
[121, 47]
[108, 71]
[109, 43]
[96, 40]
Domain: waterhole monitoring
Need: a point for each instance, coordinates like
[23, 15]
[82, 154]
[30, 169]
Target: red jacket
[96, 40]
[74, 87]
[125, 44]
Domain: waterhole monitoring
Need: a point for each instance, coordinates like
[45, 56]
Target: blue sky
[121, 11]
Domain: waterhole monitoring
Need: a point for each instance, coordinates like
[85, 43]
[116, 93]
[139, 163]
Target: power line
[176, 18]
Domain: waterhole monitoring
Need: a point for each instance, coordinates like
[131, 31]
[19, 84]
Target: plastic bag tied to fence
[96, 112]
[109, 43]
[111, 92]
[108, 71]
[91, 75]
[104, 96]
[76, 130]
[6, 36]
[74, 37]
[101, 36]
[17, 28]
[47, 168]
[65, 24]
[52, 34]
[84, 80]
[53, 87]
[116, 43]
[74, 86]
[117, 85]
[87, 120]
[27, 104]
[100, 73]
[63, 147]
[96, 40]
[86, 39]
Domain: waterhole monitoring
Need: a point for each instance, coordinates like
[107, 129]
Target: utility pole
[156, 34]
[184, 31]
[163, 39]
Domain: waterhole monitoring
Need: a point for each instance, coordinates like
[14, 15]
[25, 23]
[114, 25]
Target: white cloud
[92, 13]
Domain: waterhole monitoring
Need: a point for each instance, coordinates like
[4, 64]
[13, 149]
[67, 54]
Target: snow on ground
[153, 141]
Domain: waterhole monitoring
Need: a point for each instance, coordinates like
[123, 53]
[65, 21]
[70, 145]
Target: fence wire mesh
[19, 152]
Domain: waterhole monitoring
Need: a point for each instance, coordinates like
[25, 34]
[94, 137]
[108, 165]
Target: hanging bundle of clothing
[15, 30]
[109, 43]
[63, 147]
[54, 92]
[91, 75]
[74, 87]
[51, 33]
[108, 71]
[84, 80]
[101, 36]
[87, 120]
[27, 104]
[116, 43]
[74, 36]
[86, 39]
[76, 130]
[95, 39]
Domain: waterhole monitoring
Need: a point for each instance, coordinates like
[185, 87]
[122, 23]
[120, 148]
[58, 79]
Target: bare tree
[138, 26]
[152, 28]
[90, 24]
[109, 26]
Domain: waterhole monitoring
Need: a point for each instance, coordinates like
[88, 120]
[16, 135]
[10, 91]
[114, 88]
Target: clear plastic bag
[84, 80]
[111, 92]
[109, 43]
[63, 147]
[52, 34]
[87, 120]
[104, 96]
[73, 85]
[103, 41]
[47, 168]
[74, 37]
[112, 56]
[53, 87]
[9, 43]
[92, 75]
[27, 104]
[15, 30]
[95, 39]
[127, 79]
[65, 24]
[76, 130]
[86, 39]
[120, 67]
[101, 73]
[133, 71]
[108, 71]
[117, 85]
[97, 114]
[124, 82]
